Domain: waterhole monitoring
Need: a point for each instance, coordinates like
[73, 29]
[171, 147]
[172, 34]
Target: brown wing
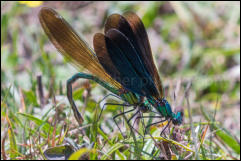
[71, 46]
[103, 56]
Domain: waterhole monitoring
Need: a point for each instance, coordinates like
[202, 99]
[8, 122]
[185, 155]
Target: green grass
[196, 46]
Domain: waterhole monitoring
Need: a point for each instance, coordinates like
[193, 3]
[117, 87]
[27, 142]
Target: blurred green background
[197, 42]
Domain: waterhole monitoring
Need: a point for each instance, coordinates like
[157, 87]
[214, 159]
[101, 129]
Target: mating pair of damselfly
[121, 62]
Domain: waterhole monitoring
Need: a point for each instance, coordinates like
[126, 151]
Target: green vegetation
[196, 46]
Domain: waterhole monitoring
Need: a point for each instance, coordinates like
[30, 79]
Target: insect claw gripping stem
[165, 128]
[154, 124]
[139, 117]
[107, 103]
[123, 113]
[134, 123]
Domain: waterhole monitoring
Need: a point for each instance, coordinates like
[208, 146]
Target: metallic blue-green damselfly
[121, 62]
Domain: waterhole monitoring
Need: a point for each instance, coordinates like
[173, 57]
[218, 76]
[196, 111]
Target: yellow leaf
[31, 3]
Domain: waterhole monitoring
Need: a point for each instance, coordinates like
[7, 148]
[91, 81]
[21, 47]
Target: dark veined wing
[115, 21]
[71, 46]
[130, 53]
[132, 27]
[107, 49]
[146, 54]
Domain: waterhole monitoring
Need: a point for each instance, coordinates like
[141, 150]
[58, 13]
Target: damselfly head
[164, 108]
